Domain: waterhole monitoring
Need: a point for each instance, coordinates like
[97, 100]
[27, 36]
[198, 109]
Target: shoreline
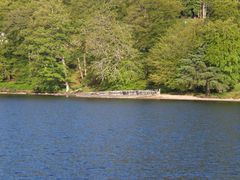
[137, 97]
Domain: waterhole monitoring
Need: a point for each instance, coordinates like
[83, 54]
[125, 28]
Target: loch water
[70, 138]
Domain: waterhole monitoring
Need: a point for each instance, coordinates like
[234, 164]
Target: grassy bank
[235, 93]
[14, 87]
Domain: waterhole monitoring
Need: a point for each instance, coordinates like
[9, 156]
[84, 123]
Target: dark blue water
[60, 138]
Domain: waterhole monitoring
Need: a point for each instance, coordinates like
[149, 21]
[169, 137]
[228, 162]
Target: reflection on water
[58, 138]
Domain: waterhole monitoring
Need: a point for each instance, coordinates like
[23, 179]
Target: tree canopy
[52, 45]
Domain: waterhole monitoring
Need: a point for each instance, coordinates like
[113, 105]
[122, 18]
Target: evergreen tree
[164, 58]
[192, 8]
[122, 44]
[195, 73]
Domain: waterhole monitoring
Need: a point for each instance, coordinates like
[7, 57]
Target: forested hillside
[176, 45]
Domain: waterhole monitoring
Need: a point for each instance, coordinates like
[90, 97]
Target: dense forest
[176, 45]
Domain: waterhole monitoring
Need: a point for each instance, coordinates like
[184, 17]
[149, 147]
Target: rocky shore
[107, 95]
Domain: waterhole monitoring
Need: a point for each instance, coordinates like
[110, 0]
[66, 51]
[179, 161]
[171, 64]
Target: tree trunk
[9, 77]
[80, 69]
[65, 73]
[67, 87]
[85, 64]
[208, 88]
[203, 11]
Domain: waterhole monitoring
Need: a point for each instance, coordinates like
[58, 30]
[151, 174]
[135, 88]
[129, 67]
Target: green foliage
[105, 43]
[150, 20]
[49, 76]
[178, 42]
[216, 69]
[42, 40]
[195, 73]
[192, 7]
[120, 44]
[222, 39]
[235, 93]
[130, 76]
[109, 43]
[223, 9]
[14, 86]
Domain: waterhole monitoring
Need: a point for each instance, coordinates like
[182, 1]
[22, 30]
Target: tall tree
[5, 72]
[54, 44]
[104, 44]
[39, 32]
[222, 39]
[164, 58]
[150, 20]
[108, 42]
[196, 73]
[223, 9]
